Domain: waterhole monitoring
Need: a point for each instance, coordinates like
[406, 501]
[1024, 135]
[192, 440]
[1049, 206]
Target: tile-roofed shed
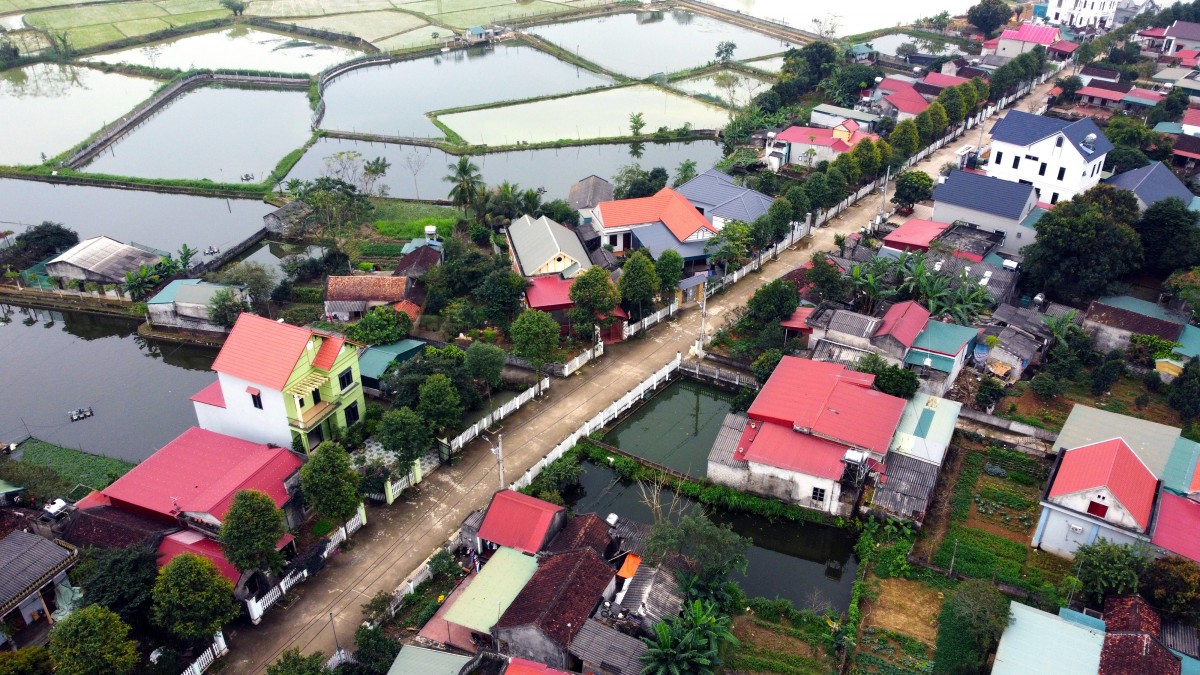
[986, 194]
[263, 351]
[109, 527]
[589, 192]
[200, 471]
[1153, 183]
[366, 287]
[1131, 613]
[520, 522]
[1133, 318]
[583, 531]
[608, 648]
[417, 262]
[562, 594]
[1135, 653]
[1038, 642]
[26, 562]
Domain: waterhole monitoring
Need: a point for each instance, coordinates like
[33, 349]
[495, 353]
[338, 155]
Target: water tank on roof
[1039, 299]
[878, 80]
[1011, 264]
[612, 520]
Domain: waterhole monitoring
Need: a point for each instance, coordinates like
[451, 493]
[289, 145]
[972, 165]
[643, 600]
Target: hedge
[308, 294]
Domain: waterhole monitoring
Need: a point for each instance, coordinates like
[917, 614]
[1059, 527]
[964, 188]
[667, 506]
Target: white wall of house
[797, 154]
[240, 419]
[1116, 514]
[800, 486]
[1016, 235]
[1041, 165]
[1175, 44]
[1061, 532]
[1010, 48]
[558, 263]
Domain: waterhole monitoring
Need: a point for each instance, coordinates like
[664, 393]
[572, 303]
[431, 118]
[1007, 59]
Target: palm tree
[676, 651]
[870, 285]
[466, 183]
[506, 200]
[531, 202]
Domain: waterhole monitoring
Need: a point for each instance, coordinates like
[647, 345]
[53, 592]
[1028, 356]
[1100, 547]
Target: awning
[307, 384]
[630, 566]
[252, 391]
[284, 541]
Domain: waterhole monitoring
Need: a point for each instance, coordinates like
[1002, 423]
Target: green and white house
[282, 384]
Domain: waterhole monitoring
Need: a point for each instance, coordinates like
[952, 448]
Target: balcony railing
[314, 415]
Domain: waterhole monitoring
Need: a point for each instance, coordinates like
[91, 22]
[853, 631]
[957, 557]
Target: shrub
[1152, 381]
[301, 316]
[308, 294]
[1047, 387]
[990, 392]
[970, 624]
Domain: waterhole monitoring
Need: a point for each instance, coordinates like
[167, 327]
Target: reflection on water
[644, 43]
[417, 172]
[676, 428]
[392, 99]
[844, 19]
[48, 108]
[887, 44]
[796, 561]
[58, 361]
[217, 133]
[233, 48]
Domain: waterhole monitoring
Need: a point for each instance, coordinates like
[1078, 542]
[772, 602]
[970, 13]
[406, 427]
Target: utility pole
[333, 627]
[703, 319]
[883, 192]
[952, 557]
[498, 451]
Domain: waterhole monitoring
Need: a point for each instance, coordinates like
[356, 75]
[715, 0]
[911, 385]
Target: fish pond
[676, 428]
[860, 17]
[417, 172]
[392, 99]
[218, 133]
[640, 44]
[240, 47]
[139, 389]
[806, 563]
[48, 108]
[888, 44]
[731, 87]
[163, 221]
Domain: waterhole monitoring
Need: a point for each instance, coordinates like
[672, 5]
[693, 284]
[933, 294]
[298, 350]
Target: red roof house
[903, 322]
[1132, 640]
[549, 293]
[521, 522]
[798, 321]
[1041, 35]
[667, 207]
[1177, 526]
[191, 541]
[837, 140]
[197, 474]
[1106, 480]
[1191, 117]
[266, 352]
[907, 101]
[942, 80]
[914, 235]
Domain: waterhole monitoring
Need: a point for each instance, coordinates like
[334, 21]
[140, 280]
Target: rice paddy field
[90, 26]
[234, 48]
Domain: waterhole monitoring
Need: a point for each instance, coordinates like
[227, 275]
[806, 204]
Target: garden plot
[483, 16]
[737, 91]
[370, 26]
[234, 48]
[92, 25]
[600, 114]
[28, 41]
[274, 8]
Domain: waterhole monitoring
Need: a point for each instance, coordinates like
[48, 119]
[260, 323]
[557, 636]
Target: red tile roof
[518, 521]
[1188, 57]
[914, 234]
[108, 527]
[941, 80]
[1042, 35]
[549, 293]
[263, 351]
[1153, 32]
[1111, 464]
[410, 308]
[560, 596]
[1064, 46]
[367, 287]
[832, 401]
[1144, 94]
[908, 101]
[779, 446]
[1191, 117]
[799, 318]
[1130, 613]
[200, 471]
[522, 667]
[1177, 528]
[667, 207]
[1135, 654]
[586, 531]
[904, 321]
[190, 541]
[328, 352]
[823, 137]
[1106, 94]
[211, 395]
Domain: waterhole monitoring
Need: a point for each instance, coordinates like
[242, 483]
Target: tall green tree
[27, 660]
[1172, 585]
[989, 15]
[818, 191]
[501, 293]
[118, 578]
[779, 214]
[972, 620]
[638, 284]
[466, 182]
[951, 101]
[485, 363]
[905, 138]
[1185, 391]
[669, 269]
[595, 298]
[381, 325]
[191, 599]
[867, 157]
[536, 336]
[329, 482]
[405, 434]
[731, 246]
[714, 551]
[258, 279]
[250, 530]
[1170, 238]
[1108, 569]
[773, 302]
[826, 278]
[684, 172]
[93, 640]
[911, 187]
[375, 650]
[440, 404]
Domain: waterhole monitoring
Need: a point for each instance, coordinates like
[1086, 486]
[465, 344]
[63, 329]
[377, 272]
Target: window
[1031, 158]
[1016, 162]
[316, 396]
[1042, 169]
[346, 379]
[351, 413]
[999, 156]
[818, 494]
[300, 402]
[1054, 198]
[256, 399]
[1062, 171]
[1097, 509]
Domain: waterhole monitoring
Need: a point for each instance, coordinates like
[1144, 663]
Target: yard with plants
[74, 466]
[1128, 396]
[774, 637]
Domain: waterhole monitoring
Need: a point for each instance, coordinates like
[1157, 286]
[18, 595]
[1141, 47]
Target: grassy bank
[75, 466]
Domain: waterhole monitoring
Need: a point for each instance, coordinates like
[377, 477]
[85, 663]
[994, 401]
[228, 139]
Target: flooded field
[235, 48]
[392, 99]
[655, 42]
[676, 428]
[164, 221]
[597, 114]
[843, 20]
[888, 44]
[221, 134]
[730, 86]
[417, 172]
[48, 108]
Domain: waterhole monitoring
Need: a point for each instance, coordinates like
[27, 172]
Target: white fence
[472, 432]
[716, 374]
[646, 322]
[216, 650]
[600, 420]
[419, 577]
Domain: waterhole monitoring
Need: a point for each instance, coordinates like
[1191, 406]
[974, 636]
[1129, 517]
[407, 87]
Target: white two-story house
[1060, 159]
[1094, 13]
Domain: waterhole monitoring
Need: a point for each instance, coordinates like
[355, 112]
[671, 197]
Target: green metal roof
[167, 294]
[1039, 642]
[862, 49]
[1034, 216]
[1143, 307]
[994, 258]
[375, 361]
[1150, 441]
[944, 338]
[501, 579]
[937, 361]
[1189, 342]
[926, 427]
[1177, 475]
[1169, 128]
[413, 659]
[7, 487]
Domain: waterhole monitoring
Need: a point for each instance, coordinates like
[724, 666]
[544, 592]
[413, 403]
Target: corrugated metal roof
[653, 592]
[375, 361]
[610, 649]
[1181, 637]
[905, 490]
[853, 323]
[1153, 442]
[518, 521]
[1038, 642]
[945, 338]
[200, 294]
[493, 590]
[1180, 474]
[413, 659]
[536, 241]
[1111, 464]
[833, 352]
[167, 294]
[904, 321]
[936, 361]
[106, 257]
[722, 197]
[926, 427]
[985, 194]
[1177, 526]
[633, 535]
[726, 443]
[25, 559]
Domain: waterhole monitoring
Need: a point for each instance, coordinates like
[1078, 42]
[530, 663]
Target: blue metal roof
[1189, 342]
[1081, 619]
[656, 238]
[936, 361]
[1022, 128]
[1153, 183]
[1039, 642]
[167, 294]
[984, 193]
[1143, 307]
[1180, 468]
[1168, 128]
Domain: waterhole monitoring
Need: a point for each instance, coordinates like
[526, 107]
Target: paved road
[398, 538]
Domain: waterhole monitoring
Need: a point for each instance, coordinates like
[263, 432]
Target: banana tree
[138, 284]
[186, 253]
